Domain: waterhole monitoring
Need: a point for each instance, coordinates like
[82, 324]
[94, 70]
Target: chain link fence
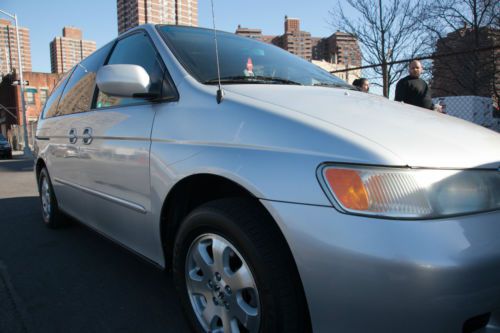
[476, 109]
[472, 95]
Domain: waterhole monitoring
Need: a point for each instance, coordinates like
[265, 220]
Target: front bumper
[374, 275]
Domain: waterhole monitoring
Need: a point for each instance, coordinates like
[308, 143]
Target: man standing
[413, 90]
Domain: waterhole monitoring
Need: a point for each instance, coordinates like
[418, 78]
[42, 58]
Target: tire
[51, 216]
[232, 266]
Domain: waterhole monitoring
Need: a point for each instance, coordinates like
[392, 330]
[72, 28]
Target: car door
[115, 158]
[65, 125]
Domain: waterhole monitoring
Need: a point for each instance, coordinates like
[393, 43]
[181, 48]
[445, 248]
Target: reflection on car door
[116, 159]
[53, 141]
[68, 126]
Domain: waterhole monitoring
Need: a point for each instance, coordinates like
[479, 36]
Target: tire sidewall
[50, 222]
[211, 221]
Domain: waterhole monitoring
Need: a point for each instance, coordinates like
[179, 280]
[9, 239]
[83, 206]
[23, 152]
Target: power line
[426, 57]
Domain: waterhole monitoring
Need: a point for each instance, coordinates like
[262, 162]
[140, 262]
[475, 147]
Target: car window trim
[70, 75]
[59, 99]
[166, 76]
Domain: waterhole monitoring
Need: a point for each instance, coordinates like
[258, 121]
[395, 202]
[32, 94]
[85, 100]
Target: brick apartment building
[296, 41]
[471, 74]
[132, 13]
[8, 48]
[37, 91]
[293, 40]
[249, 33]
[340, 49]
[68, 50]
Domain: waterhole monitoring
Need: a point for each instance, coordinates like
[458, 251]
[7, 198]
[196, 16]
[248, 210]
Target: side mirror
[124, 81]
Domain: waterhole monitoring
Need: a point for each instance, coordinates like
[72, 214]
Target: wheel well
[189, 193]
[40, 164]
[196, 190]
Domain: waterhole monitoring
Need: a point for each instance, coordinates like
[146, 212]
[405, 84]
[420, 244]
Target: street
[72, 279]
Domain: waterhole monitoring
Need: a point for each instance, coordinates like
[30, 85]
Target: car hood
[420, 137]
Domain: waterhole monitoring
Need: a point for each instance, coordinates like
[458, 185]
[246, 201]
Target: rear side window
[135, 49]
[50, 108]
[79, 91]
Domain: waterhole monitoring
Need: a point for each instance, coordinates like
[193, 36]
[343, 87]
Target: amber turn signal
[348, 188]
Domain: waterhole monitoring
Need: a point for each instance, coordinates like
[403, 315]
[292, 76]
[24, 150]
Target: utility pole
[26, 148]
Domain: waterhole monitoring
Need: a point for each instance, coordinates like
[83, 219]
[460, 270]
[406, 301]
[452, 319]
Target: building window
[43, 96]
[29, 97]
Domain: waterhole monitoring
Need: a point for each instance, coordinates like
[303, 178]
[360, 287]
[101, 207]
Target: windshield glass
[2, 138]
[242, 60]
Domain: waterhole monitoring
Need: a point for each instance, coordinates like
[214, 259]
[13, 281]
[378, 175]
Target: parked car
[5, 148]
[282, 200]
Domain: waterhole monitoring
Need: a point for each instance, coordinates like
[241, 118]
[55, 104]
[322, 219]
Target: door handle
[87, 136]
[72, 135]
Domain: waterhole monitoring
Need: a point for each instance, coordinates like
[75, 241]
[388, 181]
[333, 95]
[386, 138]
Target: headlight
[410, 193]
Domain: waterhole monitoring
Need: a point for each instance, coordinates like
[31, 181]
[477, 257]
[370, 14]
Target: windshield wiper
[259, 79]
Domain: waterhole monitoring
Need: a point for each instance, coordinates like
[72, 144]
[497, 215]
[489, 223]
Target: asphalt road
[72, 279]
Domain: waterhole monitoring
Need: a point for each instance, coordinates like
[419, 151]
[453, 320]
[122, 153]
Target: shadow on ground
[73, 280]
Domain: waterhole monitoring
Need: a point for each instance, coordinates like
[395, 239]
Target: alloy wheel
[221, 286]
[45, 195]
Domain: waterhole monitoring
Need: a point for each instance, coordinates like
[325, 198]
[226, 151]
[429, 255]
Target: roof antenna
[220, 92]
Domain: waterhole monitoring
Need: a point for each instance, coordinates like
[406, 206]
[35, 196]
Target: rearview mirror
[123, 81]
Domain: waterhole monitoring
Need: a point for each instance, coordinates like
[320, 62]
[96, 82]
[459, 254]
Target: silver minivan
[281, 199]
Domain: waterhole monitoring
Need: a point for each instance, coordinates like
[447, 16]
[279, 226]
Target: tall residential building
[250, 33]
[8, 48]
[292, 25]
[340, 48]
[68, 50]
[468, 73]
[296, 41]
[132, 13]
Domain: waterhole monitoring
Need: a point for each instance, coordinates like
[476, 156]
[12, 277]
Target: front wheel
[233, 272]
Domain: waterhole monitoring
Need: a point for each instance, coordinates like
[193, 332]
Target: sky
[97, 19]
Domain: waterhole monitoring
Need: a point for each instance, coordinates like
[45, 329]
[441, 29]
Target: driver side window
[136, 49]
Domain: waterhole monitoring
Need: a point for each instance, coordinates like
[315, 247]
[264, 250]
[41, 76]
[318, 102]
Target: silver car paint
[62, 160]
[123, 80]
[424, 138]
[374, 275]
[116, 166]
[270, 140]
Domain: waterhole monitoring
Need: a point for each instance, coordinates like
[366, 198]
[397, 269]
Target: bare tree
[467, 23]
[444, 16]
[385, 31]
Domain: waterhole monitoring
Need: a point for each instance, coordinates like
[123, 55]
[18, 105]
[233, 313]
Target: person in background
[415, 91]
[362, 84]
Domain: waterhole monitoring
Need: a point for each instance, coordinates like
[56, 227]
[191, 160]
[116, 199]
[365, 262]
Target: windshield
[2, 138]
[242, 60]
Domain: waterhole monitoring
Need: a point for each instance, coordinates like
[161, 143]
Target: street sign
[18, 82]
